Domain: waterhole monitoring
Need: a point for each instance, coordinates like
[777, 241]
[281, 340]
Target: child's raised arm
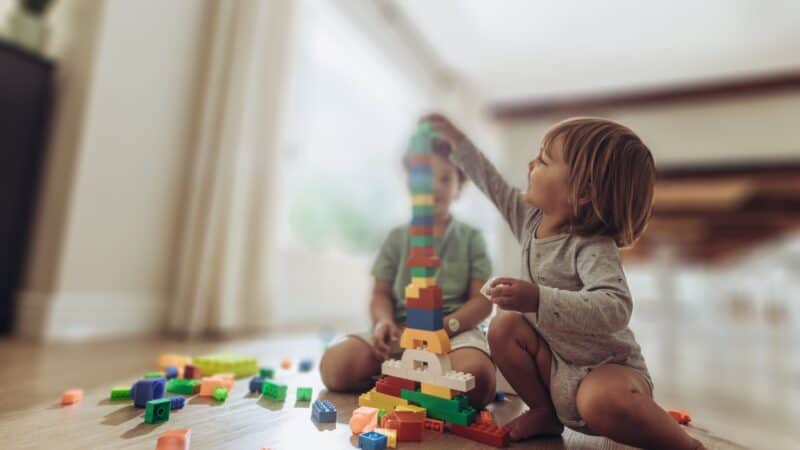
[482, 172]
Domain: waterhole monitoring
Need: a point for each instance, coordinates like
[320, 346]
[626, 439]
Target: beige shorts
[474, 338]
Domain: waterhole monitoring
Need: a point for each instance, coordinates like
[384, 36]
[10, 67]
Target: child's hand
[514, 295]
[445, 130]
[383, 334]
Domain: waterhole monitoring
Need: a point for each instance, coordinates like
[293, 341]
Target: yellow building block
[422, 199]
[423, 282]
[380, 400]
[434, 341]
[420, 411]
[391, 436]
[436, 391]
[412, 291]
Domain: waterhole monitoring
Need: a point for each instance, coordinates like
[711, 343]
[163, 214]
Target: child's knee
[507, 328]
[340, 368]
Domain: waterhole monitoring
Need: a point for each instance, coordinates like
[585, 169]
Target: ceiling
[525, 49]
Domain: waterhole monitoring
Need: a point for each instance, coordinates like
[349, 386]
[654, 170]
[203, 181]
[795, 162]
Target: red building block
[433, 425]
[423, 261]
[430, 299]
[408, 425]
[485, 417]
[423, 251]
[191, 372]
[391, 385]
[421, 230]
[484, 433]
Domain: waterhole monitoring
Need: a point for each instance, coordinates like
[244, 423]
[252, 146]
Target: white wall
[128, 128]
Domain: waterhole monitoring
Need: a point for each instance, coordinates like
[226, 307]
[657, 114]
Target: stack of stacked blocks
[421, 391]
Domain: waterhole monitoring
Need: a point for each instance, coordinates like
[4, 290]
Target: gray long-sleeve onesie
[584, 301]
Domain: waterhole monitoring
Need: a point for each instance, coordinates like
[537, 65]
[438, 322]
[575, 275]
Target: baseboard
[88, 315]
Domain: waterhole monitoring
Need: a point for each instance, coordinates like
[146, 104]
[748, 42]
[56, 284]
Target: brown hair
[611, 168]
[442, 148]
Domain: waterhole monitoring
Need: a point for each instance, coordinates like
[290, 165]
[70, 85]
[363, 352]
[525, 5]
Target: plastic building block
[421, 189]
[169, 359]
[381, 413]
[177, 402]
[240, 366]
[147, 389]
[209, 384]
[682, 417]
[391, 385]
[183, 386]
[422, 241]
[256, 384]
[408, 425]
[191, 372]
[436, 391]
[323, 411]
[171, 372]
[304, 394]
[154, 375]
[157, 410]
[499, 396]
[423, 282]
[435, 425]
[274, 391]
[379, 400]
[485, 417]
[391, 436]
[434, 341]
[120, 393]
[456, 410]
[417, 159]
[71, 396]
[424, 319]
[220, 394]
[364, 419]
[430, 298]
[176, 439]
[422, 261]
[414, 409]
[225, 376]
[305, 364]
[485, 433]
[267, 372]
[423, 272]
[286, 363]
[372, 441]
[427, 367]
[429, 251]
[422, 200]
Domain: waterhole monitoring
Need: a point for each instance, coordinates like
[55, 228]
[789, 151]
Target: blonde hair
[611, 168]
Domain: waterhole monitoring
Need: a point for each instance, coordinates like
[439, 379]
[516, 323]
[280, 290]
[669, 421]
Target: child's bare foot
[534, 422]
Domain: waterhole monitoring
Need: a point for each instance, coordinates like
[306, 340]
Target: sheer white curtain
[223, 281]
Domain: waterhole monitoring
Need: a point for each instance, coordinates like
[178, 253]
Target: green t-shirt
[462, 250]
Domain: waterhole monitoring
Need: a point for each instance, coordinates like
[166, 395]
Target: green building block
[267, 372]
[157, 411]
[154, 375]
[183, 386]
[381, 413]
[423, 272]
[422, 210]
[421, 143]
[220, 394]
[304, 394]
[422, 189]
[422, 241]
[274, 391]
[456, 410]
[121, 393]
[424, 128]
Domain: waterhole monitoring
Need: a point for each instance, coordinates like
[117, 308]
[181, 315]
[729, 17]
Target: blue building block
[323, 411]
[177, 402]
[420, 172]
[256, 384]
[424, 319]
[147, 389]
[306, 364]
[171, 372]
[499, 396]
[372, 441]
[422, 220]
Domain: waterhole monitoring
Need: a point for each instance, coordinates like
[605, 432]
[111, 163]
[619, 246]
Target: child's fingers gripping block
[488, 285]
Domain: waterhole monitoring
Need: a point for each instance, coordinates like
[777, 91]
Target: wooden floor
[33, 376]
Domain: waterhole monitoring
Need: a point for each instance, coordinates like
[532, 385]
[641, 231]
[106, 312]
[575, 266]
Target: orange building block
[434, 341]
[176, 439]
[485, 417]
[179, 361]
[71, 396]
[682, 417]
[208, 384]
[286, 363]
